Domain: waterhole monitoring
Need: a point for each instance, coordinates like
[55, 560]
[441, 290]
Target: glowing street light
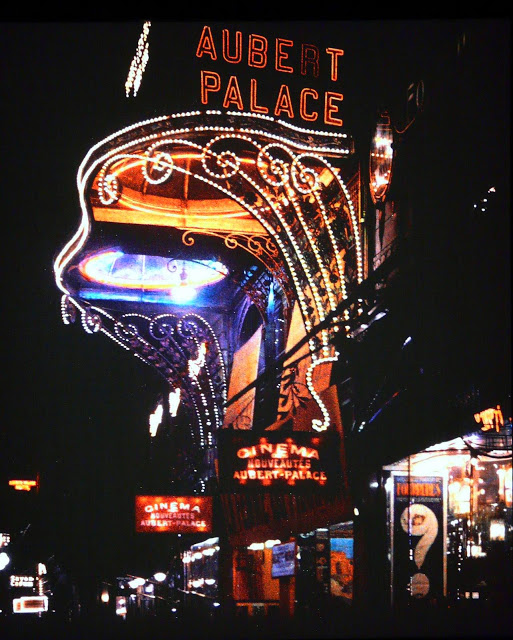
[4, 560]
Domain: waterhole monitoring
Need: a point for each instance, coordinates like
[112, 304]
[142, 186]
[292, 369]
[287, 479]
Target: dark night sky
[75, 405]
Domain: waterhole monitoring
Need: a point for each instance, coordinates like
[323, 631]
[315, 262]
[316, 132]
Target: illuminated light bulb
[133, 584]
[174, 401]
[155, 420]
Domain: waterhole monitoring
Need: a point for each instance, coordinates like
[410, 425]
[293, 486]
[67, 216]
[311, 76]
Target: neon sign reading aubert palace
[281, 55]
[267, 462]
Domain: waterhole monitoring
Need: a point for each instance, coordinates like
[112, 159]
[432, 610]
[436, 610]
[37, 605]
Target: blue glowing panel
[144, 278]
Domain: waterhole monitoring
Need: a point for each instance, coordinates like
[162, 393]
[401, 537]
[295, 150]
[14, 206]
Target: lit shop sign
[22, 581]
[279, 55]
[417, 488]
[30, 604]
[490, 419]
[23, 485]
[172, 514]
[279, 460]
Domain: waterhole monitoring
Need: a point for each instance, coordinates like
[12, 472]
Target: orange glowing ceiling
[182, 200]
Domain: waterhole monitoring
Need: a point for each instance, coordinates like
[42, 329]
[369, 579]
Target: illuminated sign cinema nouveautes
[173, 514]
[299, 460]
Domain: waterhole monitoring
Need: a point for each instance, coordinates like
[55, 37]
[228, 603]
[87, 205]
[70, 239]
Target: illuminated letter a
[206, 44]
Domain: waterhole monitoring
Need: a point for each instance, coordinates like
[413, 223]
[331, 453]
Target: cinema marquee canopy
[221, 192]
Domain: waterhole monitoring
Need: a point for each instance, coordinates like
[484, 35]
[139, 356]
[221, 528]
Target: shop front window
[449, 512]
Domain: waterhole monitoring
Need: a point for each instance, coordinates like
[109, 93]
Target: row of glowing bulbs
[351, 208]
[59, 263]
[195, 365]
[139, 62]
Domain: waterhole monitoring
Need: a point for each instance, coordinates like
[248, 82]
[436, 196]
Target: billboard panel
[173, 514]
[418, 538]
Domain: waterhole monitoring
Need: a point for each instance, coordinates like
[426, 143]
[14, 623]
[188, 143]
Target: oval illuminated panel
[182, 278]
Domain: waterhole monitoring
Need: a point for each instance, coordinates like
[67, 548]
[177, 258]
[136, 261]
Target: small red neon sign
[173, 514]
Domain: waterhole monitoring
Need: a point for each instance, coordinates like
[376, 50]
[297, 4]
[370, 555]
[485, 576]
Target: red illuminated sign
[277, 54]
[297, 460]
[173, 514]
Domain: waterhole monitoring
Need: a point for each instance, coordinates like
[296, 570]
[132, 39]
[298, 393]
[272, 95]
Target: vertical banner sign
[418, 538]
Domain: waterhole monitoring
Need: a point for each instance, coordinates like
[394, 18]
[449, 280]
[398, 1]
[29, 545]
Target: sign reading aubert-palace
[302, 79]
[275, 460]
[173, 514]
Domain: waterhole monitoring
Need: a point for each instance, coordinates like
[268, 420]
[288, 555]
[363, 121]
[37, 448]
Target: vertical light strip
[139, 62]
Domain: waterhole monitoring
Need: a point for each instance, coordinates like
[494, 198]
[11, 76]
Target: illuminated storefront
[449, 510]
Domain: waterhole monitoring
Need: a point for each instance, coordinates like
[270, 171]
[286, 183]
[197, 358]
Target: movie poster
[418, 538]
[342, 568]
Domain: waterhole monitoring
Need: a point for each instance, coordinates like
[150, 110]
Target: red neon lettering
[283, 102]
[206, 44]
[283, 55]
[331, 109]
[234, 57]
[253, 106]
[257, 53]
[210, 81]
[233, 94]
[309, 58]
[335, 54]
